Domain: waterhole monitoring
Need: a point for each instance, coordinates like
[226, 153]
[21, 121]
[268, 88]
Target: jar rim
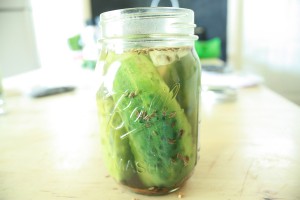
[144, 12]
[147, 21]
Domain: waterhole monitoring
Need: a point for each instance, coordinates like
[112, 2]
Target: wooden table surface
[50, 149]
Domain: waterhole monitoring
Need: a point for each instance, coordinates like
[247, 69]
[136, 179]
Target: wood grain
[249, 149]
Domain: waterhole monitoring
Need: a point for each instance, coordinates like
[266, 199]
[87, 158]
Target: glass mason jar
[148, 97]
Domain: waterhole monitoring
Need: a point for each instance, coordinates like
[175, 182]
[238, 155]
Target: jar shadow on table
[219, 93]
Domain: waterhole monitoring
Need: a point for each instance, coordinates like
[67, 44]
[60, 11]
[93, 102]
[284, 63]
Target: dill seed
[172, 114]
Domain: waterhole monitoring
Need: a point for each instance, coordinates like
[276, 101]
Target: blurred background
[249, 37]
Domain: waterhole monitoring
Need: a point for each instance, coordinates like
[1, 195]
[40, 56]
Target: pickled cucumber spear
[178, 67]
[159, 133]
[116, 151]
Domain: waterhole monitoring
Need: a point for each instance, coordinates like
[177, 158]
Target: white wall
[267, 42]
[55, 21]
[18, 51]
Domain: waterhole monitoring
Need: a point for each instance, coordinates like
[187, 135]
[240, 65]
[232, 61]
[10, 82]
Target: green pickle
[148, 107]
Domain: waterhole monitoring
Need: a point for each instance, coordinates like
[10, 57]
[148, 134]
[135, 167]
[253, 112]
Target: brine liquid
[179, 70]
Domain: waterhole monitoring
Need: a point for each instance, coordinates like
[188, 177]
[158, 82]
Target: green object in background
[74, 43]
[89, 64]
[208, 48]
